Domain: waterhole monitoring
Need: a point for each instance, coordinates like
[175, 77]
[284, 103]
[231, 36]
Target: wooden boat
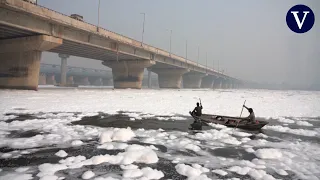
[228, 121]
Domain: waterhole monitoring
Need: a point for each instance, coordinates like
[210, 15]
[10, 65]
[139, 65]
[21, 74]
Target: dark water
[120, 120]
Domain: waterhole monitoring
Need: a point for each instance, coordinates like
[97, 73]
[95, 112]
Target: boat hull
[228, 121]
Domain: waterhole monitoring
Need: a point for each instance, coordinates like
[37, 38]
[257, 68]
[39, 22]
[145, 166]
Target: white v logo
[295, 14]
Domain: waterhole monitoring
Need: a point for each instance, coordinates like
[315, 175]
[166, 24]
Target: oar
[242, 107]
[241, 113]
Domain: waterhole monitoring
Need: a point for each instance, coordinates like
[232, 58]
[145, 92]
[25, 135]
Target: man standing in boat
[197, 110]
[251, 117]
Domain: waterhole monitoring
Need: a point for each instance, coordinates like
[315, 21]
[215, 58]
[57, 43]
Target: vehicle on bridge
[77, 17]
[31, 1]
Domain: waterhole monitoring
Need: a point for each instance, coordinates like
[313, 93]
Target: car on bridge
[31, 1]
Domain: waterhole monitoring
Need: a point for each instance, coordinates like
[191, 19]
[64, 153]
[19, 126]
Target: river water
[102, 133]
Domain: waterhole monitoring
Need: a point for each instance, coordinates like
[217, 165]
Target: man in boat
[251, 117]
[197, 110]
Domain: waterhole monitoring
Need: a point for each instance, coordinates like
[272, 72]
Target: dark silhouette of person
[197, 110]
[251, 116]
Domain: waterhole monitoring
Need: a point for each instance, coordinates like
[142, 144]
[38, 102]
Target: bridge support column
[63, 78]
[207, 82]
[96, 81]
[169, 78]
[20, 60]
[107, 82]
[42, 79]
[225, 84]
[217, 83]
[70, 80]
[51, 79]
[84, 81]
[128, 73]
[231, 85]
[149, 79]
[192, 80]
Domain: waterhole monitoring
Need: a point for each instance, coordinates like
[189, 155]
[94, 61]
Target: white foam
[6, 155]
[281, 172]
[250, 150]
[193, 147]
[22, 169]
[302, 132]
[268, 153]
[140, 154]
[49, 177]
[76, 143]
[144, 173]
[133, 115]
[105, 178]
[202, 169]
[130, 166]
[224, 102]
[162, 118]
[150, 173]
[113, 145]
[259, 174]
[303, 159]
[220, 172]
[304, 123]
[16, 176]
[201, 177]
[117, 134]
[49, 169]
[133, 153]
[240, 170]
[61, 153]
[132, 173]
[285, 120]
[7, 117]
[187, 170]
[178, 118]
[88, 175]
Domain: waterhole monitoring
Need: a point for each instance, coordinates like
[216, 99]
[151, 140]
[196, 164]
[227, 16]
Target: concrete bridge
[50, 74]
[26, 30]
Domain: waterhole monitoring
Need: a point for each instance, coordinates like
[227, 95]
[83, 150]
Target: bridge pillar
[42, 79]
[207, 82]
[217, 83]
[149, 79]
[51, 79]
[63, 77]
[169, 77]
[107, 82]
[225, 84]
[192, 80]
[70, 80]
[96, 81]
[20, 60]
[83, 81]
[231, 85]
[128, 73]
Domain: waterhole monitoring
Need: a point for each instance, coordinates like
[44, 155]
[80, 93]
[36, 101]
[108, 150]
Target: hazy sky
[250, 39]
